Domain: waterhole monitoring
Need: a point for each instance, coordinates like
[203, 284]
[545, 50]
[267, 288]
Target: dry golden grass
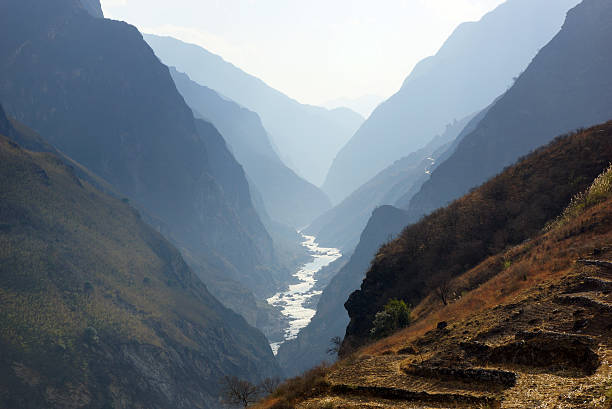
[547, 258]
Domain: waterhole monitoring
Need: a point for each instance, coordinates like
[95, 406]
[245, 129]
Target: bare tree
[443, 289]
[334, 347]
[269, 385]
[238, 391]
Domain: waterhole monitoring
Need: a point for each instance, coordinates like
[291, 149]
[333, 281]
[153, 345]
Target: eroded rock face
[541, 349]
[490, 376]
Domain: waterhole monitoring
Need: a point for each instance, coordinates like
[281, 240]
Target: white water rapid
[293, 300]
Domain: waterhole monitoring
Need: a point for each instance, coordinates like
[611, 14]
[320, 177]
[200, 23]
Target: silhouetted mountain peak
[93, 7]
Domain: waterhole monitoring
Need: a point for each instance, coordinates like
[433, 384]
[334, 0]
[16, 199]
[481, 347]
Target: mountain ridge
[306, 137]
[567, 71]
[288, 198]
[474, 66]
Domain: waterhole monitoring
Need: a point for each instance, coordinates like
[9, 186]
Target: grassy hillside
[503, 212]
[97, 310]
[527, 327]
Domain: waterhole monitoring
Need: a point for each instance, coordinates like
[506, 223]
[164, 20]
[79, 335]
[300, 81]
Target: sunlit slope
[505, 211]
[99, 310]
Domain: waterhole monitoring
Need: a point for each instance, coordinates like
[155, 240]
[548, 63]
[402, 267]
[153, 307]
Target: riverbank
[294, 300]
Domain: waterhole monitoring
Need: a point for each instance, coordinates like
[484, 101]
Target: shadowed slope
[98, 93]
[288, 198]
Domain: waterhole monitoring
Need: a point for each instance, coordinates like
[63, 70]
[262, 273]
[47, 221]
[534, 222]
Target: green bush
[396, 315]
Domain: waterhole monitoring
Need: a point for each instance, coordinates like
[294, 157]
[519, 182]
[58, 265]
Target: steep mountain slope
[288, 198]
[474, 66]
[341, 226]
[311, 345]
[505, 211]
[98, 93]
[97, 309]
[307, 137]
[536, 333]
[404, 201]
[384, 223]
[567, 86]
[93, 7]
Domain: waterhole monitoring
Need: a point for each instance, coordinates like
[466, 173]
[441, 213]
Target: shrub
[396, 315]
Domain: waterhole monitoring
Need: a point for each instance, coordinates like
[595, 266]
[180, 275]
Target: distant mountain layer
[307, 137]
[567, 86]
[287, 197]
[503, 212]
[363, 105]
[474, 66]
[99, 310]
[97, 92]
[341, 226]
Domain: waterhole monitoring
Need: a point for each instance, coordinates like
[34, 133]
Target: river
[293, 300]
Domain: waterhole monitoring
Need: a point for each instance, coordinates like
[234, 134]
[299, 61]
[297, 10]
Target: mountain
[341, 226]
[532, 313]
[98, 93]
[97, 309]
[504, 212]
[93, 7]
[444, 153]
[364, 105]
[382, 223]
[288, 198]
[474, 66]
[311, 345]
[567, 86]
[307, 137]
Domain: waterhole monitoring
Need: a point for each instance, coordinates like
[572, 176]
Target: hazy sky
[313, 50]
